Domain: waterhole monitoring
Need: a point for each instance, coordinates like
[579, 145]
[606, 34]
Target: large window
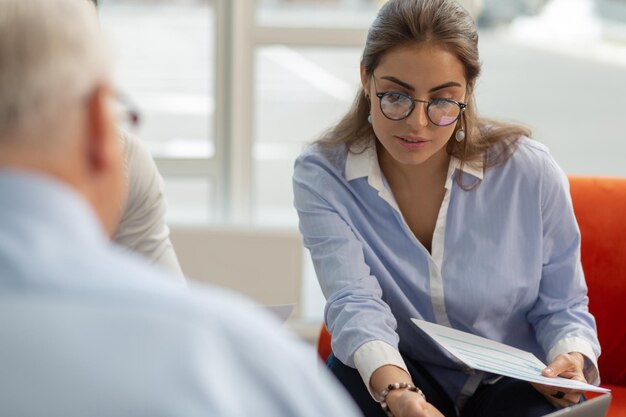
[299, 91]
[316, 13]
[165, 60]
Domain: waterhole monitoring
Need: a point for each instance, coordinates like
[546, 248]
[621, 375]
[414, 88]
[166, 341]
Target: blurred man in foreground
[86, 329]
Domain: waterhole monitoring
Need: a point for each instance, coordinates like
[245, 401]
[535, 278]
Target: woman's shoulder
[533, 147]
[325, 156]
[530, 154]
[533, 161]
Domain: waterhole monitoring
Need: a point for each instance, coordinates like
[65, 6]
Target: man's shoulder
[122, 295]
[130, 279]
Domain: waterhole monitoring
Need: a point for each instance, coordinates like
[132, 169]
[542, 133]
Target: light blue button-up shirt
[87, 330]
[505, 262]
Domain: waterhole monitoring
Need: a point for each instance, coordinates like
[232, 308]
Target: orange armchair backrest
[600, 208]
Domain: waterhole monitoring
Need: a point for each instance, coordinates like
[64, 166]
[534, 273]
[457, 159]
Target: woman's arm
[561, 317]
[355, 312]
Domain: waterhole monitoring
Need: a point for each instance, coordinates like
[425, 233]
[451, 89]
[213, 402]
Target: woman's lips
[412, 139]
[412, 142]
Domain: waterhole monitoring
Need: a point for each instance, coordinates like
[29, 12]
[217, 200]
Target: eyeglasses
[128, 115]
[398, 106]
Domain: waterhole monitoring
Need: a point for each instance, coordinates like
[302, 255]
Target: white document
[497, 358]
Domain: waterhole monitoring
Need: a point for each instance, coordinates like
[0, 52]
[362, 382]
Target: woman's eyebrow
[411, 88]
[399, 82]
[445, 85]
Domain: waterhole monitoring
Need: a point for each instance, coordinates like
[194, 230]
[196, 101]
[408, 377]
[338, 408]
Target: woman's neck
[431, 172]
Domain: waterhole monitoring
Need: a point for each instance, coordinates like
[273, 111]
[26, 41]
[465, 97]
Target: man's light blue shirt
[90, 331]
[504, 264]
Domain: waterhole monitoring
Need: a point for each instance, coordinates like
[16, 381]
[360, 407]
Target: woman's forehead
[422, 64]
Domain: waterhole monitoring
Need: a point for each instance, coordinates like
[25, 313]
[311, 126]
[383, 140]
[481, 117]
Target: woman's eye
[395, 97]
[439, 102]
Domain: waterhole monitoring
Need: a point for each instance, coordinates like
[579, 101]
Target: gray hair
[52, 53]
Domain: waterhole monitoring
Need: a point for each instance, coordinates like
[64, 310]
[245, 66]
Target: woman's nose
[418, 117]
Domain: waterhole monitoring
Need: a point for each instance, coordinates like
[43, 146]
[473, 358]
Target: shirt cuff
[371, 356]
[576, 344]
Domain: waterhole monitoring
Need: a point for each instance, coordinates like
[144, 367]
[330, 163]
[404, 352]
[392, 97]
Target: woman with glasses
[412, 206]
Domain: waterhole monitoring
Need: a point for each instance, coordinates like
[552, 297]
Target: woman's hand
[568, 365]
[405, 403]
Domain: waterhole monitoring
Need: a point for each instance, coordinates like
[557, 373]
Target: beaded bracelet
[391, 387]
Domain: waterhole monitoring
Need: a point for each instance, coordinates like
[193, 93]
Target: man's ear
[103, 183]
[99, 129]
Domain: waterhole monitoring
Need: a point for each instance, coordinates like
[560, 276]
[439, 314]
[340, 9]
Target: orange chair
[323, 344]
[600, 208]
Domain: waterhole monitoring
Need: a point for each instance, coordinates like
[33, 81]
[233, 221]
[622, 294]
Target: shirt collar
[365, 164]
